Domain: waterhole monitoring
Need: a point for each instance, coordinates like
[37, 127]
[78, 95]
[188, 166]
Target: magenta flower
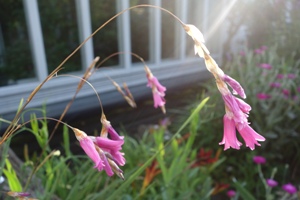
[237, 88]
[286, 92]
[280, 76]
[259, 51]
[250, 136]
[158, 90]
[103, 152]
[289, 188]
[259, 160]
[112, 147]
[291, 76]
[263, 48]
[271, 183]
[265, 66]
[275, 85]
[108, 129]
[231, 193]
[298, 89]
[88, 146]
[229, 136]
[236, 118]
[158, 98]
[242, 53]
[263, 96]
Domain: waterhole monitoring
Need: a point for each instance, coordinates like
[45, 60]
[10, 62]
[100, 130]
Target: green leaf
[134, 176]
[245, 194]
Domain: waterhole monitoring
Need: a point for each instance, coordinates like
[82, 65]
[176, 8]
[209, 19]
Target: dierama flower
[289, 188]
[236, 110]
[271, 183]
[112, 147]
[88, 146]
[198, 38]
[103, 152]
[108, 129]
[158, 90]
[259, 160]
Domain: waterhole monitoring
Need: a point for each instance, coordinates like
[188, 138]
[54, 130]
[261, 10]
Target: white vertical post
[85, 30]
[124, 37]
[180, 35]
[36, 38]
[204, 16]
[155, 33]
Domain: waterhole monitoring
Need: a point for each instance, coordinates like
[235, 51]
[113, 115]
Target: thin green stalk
[128, 181]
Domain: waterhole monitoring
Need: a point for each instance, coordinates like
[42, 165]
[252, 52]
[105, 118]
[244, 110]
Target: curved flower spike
[158, 90]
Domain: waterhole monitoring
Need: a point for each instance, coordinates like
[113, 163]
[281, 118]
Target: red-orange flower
[151, 172]
[206, 158]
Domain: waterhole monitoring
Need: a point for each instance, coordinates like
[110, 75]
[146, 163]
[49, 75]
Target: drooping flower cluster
[158, 90]
[104, 152]
[236, 109]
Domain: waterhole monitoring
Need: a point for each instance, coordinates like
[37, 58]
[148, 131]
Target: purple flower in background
[263, 48]
[271, 183]
[275, 85]
[259, 160]
[289, 188]
[258, 51]
[291, 76]
[265, 66]
[286, 92]
[242, 53]
[280, 76]
[263, 96]
[298, 89]
[231, 193]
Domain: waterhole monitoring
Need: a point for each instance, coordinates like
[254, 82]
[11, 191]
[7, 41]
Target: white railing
[62, 89]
